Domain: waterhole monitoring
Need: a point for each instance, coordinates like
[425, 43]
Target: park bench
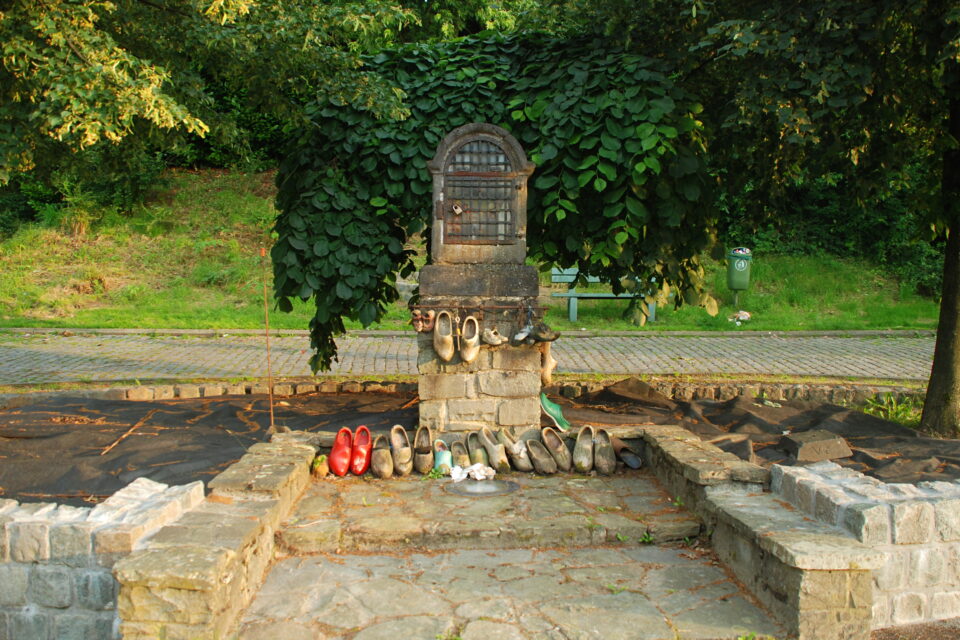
[569, 276]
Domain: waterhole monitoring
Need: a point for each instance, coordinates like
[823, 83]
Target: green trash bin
[738, 269]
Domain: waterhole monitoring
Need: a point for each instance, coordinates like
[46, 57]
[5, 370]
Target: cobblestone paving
[38, 358]
[565, 584]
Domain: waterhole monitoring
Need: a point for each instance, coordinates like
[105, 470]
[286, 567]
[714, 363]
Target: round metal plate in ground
[481, 488]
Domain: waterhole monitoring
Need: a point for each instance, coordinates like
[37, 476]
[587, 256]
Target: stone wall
[56, 560]
[915, 527]
[501, 388]
[814, 578]
[194, 578]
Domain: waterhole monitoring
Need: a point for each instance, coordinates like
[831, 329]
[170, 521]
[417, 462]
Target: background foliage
[618, 193]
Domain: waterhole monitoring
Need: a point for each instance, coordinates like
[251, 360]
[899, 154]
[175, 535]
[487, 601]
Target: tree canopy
[81, 74]
[619, 190]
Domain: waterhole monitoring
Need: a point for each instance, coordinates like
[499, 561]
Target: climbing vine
[619, 192]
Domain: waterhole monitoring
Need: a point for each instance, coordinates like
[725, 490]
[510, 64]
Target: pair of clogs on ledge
[351, 452]
[444, 328]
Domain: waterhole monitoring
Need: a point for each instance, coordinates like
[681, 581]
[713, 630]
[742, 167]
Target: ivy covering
[620, 190]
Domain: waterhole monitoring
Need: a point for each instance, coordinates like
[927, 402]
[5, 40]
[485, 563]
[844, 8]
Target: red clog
[362, 448]
[341, 453]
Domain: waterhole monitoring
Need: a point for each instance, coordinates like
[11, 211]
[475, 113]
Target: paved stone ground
[45, 358]
[645, 593]
[409, 566]
[352, 514]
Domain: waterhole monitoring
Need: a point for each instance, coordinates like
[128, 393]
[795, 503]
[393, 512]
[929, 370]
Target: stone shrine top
[480, 177]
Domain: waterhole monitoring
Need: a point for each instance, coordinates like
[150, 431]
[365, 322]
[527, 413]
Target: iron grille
[480, 196]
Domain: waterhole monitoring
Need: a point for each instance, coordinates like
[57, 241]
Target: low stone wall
[843, 394]
[194, 578]
[814, 578]
[915, 527]
[56, 560]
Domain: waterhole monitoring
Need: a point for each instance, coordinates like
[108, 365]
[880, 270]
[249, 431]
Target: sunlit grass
[189, 258]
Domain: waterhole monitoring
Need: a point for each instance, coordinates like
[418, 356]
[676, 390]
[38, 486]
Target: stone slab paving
[628, 593]
[47, 358]
[366, 514]
[562, 558]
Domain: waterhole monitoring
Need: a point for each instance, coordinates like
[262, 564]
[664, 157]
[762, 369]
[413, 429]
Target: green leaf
[343, 290]
[653, 163]
[608, 170]
[378, 202]
[545, 181]
[599, 184]
[621, 237]
[588, 162]
[636, 209]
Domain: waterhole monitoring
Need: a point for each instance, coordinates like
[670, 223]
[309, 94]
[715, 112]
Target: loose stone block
[328, 386]
[75, 626]
[517, 359]
[443, 386]
[913, 522]
[13, 584]
[351, 387]
[509, 384]
[163, 392]
[518, 412]
[187, 495]
[29, 624]
[211, 390]
[282, 390]
[29, 541]
[72, 543]
[96, 590]
[187, 391]
[869, 523]
[828, 502]
[908, 608]
[815, 445]
[117, 539]
[947, 517]
[881, 611]
[116, 393]
[191, 568]
[51, 586]
[902, 490]
[471, 411]
[303, 389]
[927, 566]
[183, 606]
[945, 605]
[140, 393]
[895, 572]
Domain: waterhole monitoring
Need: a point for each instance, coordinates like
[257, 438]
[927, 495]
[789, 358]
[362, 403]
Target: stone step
[358, 514]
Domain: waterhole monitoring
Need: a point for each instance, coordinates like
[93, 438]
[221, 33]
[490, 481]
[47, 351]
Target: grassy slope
[190, 258]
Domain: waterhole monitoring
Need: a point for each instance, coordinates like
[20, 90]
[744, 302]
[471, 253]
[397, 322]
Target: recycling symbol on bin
[740, 265]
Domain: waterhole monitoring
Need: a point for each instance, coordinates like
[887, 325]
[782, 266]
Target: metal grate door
[480, 196]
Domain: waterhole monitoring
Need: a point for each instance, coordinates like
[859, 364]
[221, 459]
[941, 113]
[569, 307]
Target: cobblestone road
[44, 358]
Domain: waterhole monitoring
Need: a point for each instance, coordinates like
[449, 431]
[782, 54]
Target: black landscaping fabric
[886, 450]
[51, 450]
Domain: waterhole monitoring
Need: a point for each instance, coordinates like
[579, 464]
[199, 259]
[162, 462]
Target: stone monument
[479, 365]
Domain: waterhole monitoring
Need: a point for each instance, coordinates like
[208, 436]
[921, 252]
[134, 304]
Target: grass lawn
[189, 258]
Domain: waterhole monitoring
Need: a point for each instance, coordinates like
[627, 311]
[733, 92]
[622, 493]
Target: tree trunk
[941, 412]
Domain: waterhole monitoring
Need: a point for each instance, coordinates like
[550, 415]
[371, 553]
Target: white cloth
[477, 471]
